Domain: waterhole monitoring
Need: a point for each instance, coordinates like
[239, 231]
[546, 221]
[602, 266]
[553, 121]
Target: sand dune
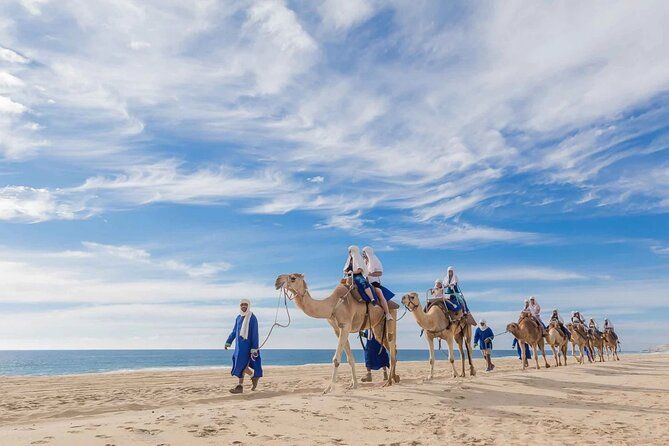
[626, 402]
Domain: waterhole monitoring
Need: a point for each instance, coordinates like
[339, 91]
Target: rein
[284, 294]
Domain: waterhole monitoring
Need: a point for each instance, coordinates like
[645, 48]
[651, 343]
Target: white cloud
[12, 56]
[116, 274]
[450, 236]
[26, 204]
[9, 106]
[344, 13]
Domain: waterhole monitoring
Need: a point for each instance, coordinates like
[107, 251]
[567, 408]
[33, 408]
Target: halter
[411, 308]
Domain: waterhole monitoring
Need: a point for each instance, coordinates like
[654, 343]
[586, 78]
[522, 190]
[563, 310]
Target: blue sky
[160, 160]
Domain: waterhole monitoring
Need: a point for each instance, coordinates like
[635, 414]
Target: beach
[623, 402]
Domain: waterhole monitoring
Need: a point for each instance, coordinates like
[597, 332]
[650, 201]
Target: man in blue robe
[246, 358]
[376, 356]
[528, 352]
[484, 336]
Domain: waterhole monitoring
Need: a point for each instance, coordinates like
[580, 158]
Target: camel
[528, 331]
[437, 326]
[596, 343]
[345, 314]
[579, 337]
[558, 342]
[611, 344]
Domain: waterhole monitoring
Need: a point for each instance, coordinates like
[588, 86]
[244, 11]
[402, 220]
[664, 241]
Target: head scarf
[358, 262]
[452, 280]
[373, 263]
[437, 282]
[244, 331]
[483, 323]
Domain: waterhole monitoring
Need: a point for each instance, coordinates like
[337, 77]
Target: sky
[161, 159]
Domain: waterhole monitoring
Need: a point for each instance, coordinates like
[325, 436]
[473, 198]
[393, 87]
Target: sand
[624, 402]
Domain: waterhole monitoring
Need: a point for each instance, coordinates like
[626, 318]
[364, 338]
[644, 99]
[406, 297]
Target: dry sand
[625, 402]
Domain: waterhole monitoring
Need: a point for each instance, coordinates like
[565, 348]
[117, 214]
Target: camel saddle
[356, 295]
[453, 316]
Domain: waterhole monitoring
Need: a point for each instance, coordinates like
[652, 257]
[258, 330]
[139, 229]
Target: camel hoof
[327, 390]
[387, 383]
[455, 375]
[397, 378]
[548, 366]
[472, 372]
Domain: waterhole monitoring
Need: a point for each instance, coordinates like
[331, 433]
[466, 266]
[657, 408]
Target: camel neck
[423, 319]
[319, 309]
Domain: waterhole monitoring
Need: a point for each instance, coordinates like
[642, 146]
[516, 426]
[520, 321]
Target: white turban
[373, 263]
[244, 332]
[358, 262]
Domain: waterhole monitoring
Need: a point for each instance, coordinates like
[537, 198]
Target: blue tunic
[480, 337]
[376, 355]
[241, 358]
[528, 352]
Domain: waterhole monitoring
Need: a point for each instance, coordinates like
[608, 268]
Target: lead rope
[282, 293]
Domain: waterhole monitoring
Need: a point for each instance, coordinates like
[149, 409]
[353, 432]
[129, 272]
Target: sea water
[68, 362]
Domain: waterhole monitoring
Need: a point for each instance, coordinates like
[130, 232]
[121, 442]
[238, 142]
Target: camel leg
[336, 359]
[391, 345]
[462, 355]
[556, 354]
[430, 346]
[564, 354]
[451, 356]
[351, 362]
[542, 347]
[468, 346]
[536, 355]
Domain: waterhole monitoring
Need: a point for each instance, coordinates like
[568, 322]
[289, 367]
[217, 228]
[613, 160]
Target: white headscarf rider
[244, 331]
[358, 262]
[452, 280]
[374, 265]
[438, 290]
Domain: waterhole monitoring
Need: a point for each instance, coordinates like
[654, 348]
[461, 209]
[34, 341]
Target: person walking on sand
[376, 356]
[356, 267]
[374, 273]
[484, 336]
[246, 358]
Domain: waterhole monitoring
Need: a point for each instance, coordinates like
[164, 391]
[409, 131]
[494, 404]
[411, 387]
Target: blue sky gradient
[160, 160]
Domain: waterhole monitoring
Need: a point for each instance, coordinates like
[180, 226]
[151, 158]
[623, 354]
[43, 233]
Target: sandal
[237, 389]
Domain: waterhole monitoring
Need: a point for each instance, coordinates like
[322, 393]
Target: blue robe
[373, 359]
[480, 336]
[241, 358]
[528, 352]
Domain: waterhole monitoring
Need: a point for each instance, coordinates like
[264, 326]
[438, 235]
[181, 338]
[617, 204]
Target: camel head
[554, 324]
[513, 328]
[411, 301]
[293, 283]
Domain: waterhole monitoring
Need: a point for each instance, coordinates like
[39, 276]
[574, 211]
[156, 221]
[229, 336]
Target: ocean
[71, 362]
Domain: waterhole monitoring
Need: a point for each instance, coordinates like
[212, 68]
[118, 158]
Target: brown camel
[345, 314]
[596, 343]
[528, 331]
[580, 338]
[558, 342]
[437, 326]
[611, 344]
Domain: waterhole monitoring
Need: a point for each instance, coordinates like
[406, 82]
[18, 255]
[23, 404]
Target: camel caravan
[359, 303]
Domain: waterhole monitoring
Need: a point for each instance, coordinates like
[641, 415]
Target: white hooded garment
[374, 265]
[356, 258]
[453, 280]
[244, 332]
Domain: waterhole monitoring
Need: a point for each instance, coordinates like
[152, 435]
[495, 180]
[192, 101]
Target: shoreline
[438, 356]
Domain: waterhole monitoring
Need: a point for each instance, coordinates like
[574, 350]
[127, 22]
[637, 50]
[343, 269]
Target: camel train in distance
[347, 313]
